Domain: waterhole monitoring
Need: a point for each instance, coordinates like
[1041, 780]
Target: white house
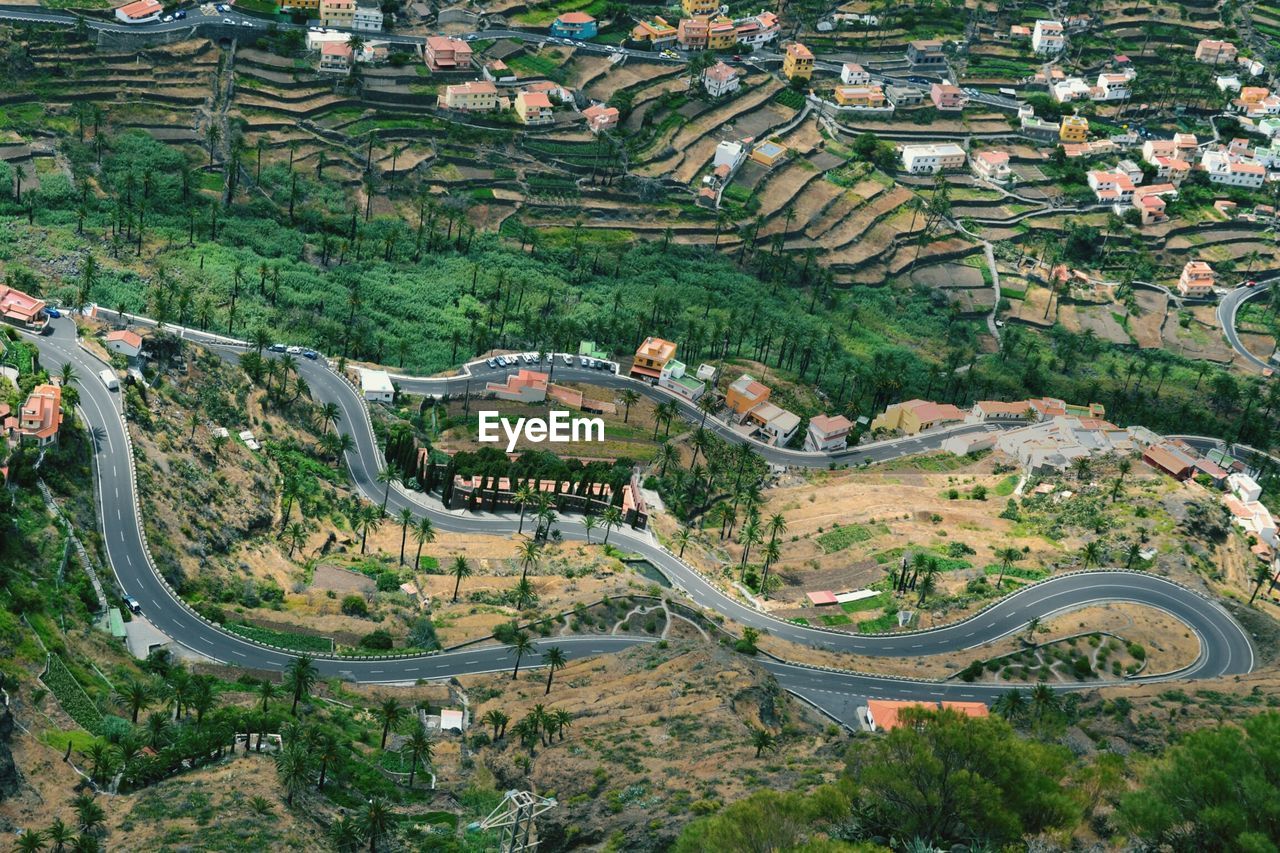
[1048, 38]
[992, 166]
[918, 159]
[368, 17]
[729, 154]
[853, 74]
[1224, 169]
[376, 385]
[720, 79]
[125, 342]
[140, 12]
[827, 433]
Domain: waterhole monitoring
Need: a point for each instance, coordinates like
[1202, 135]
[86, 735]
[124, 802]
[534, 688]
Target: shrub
[379, 639]
[354, 605]
[388, 582]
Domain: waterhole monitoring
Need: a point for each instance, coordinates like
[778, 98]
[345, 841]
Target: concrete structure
[676, 379]
[125, 342]
[600, 118]
[827, 433]
[497, 71]
[337, 13]
[447, 54]
[472, 96]
[988, 411]
[916, 416]
[768, 153]
[534, 108]
[575, 25]
[376, 386]
[1048, 38]
[947, 98]
[853, 74]
[904, 96]
[720, 79]
[919, 159]
[797, 62]
[651, 357]
[1037, 128]
[526, 386]
[1053, 444]
[774, 424]
[729, 154]
[1214, 52]
[926, 52]
[1197, 280]
[992, 166]
[140, 12]
[368, 17]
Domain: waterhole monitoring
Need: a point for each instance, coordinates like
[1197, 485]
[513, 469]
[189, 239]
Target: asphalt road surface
[1225, 647]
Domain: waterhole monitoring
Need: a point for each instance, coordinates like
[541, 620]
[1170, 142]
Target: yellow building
[657, 31]
[337, 13]
[1074, 129]
[304, 4]
[860, 96]
[699, 7]
[721, 34]
[768, 153]
[651, 357]
[915, 416]
[798, 62]
[475, 95]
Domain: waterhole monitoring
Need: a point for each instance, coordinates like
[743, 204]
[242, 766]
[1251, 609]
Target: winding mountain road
[1225, 647]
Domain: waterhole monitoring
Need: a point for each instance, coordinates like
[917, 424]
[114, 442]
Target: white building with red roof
[600, 117]
[139, 12]
[827, 433]
[720, 79]
[125, 342]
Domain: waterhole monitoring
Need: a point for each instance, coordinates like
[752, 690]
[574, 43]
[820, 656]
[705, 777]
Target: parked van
[109, 379]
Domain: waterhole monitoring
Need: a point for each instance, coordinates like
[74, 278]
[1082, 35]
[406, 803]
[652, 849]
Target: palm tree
[266, 692]
[629, 398]
[1007, 557]
[157, 730]
[136, 695]
[345, 834]
[555, 660]
[667, 454]
[59, 834]
[461, 569]
[421, 751]
[329, 413]
[423, 533]
[293, 766]
[530, 553]
[388, 476]
[301, 675]
[406, 518]
[1043, 701]
[524, 497]
[589, 523]
[777, 526]
[392, 714]
[763, 739]
[1091, 554]
[560, 720]
[68, 373]
[520, 646]
[1033, 627]
[612, 518]
[682, 539]
[327, 750]
[928, 584]
[296, 535]
[30, 841]
[369, 517]
[750, 534]
[772, 551]
[497, 719]
[1011, 705]
[1122, 468]
[1261, 575]
[89, 815]
[375, 822]
[1132, 554]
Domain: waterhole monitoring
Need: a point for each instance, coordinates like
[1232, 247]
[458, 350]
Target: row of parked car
[531, 358]
[295, 350]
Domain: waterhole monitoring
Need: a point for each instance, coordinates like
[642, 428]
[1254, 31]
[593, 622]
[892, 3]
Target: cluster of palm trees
[540, 725]
[919, 576]
[277, 376]
[1038, 704]
[753, 533]
[82, 836]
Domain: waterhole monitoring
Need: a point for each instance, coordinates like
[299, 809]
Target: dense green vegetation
[945, 779]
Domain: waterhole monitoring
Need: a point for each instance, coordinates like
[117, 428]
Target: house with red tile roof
[1174, 461]
[534, 108]
[651, 357]
[745, 394]
[827, 433]
[886, 715]
[447, 54]
[526, 386]
[125, 342]
[1197, 280]
[139, 12]
[20, 308]
[39, 418]
[600, 117]
[915, 416]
